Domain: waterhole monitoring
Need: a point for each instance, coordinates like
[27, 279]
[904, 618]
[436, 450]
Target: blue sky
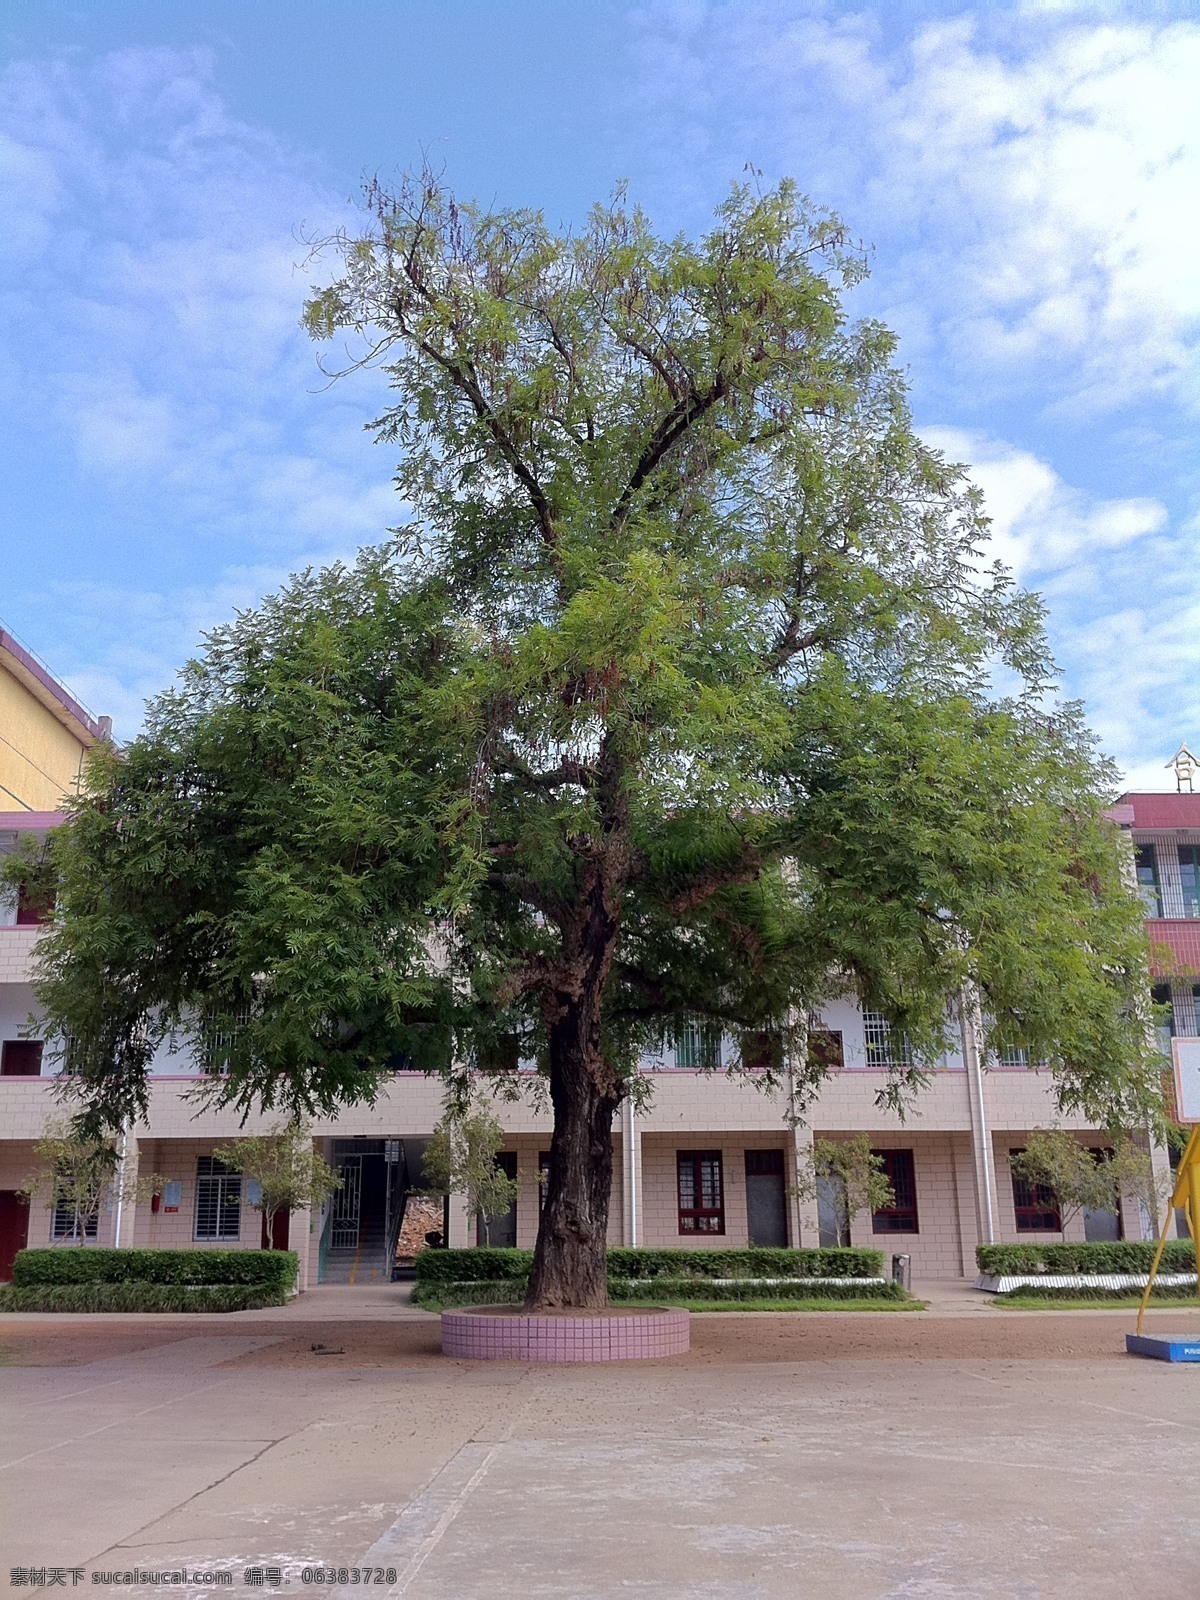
[1026, 175]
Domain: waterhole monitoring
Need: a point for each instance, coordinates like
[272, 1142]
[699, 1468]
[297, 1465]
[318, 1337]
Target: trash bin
[902, 1271]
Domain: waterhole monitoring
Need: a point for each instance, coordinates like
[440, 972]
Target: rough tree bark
[570, 1262]
[570, 1266]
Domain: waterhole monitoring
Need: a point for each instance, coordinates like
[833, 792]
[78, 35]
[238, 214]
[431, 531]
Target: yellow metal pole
[1187, 1193]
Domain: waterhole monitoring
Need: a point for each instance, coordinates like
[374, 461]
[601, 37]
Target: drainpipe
[120, 1188]
[974, 1066]
[631, 1186]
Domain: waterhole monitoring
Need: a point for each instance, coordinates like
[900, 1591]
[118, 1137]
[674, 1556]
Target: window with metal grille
[218, 1200]
[543, 1177]
[884, 1046]
[1147, 879]
[701, 1191]
[1012, 1055]
[67, 1223]
[221, 1033]
[1035, 1204]
[901, 1215]
[1189, 877]
[21, 1058]
[698, 1045]
[1160, 994]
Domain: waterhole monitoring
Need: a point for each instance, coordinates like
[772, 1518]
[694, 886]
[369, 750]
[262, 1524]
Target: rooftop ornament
[1185, 767]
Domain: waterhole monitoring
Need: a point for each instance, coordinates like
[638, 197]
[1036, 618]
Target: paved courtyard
[961, 1452]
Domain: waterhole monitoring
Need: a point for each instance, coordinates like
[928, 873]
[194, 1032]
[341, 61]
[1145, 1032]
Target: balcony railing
[1171, 902]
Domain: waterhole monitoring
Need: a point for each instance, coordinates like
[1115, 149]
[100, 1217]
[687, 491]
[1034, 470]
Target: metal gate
[347, 1204]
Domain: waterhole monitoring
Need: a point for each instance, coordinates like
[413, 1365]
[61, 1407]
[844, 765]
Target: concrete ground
[963, 1451]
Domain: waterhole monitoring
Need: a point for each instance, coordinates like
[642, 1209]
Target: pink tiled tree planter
[508, 1336]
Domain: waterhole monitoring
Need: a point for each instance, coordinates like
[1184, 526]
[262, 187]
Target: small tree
[460, 1158]
[1132, 1171]
[853, 1173]
[1055, 1160]
[78, 1174]
[290, 1174]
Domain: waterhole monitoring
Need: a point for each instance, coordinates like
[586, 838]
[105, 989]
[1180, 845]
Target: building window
[761, 1051]
[33, 910]
[1147, 879]
[701, 1191]
[884, 1046]
[1035, 1204]
[1160, 994]
[901, 1215]
[826, 1052]
[1189, 877]
[68, 1224]
[21, 1058]
[1012, 1055]
[697, 1045]
[543, 1177]
[218, 1200]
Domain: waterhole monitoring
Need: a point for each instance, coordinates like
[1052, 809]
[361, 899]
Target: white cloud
[1033, 177]
[162, 235]
[155, 294]
[1042, 526]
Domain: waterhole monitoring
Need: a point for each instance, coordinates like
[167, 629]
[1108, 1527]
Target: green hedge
[489, 1266]
[1009, 1260]
[509, 1291]
[672, 1289]
[479, 1292]
[1054, 1291]
[97, 1296]
[272, 1271]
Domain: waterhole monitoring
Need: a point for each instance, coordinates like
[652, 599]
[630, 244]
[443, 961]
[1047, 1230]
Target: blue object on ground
[1163, 1349]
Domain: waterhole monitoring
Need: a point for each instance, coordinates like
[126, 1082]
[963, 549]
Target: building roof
[46, 689]
[1162, 810]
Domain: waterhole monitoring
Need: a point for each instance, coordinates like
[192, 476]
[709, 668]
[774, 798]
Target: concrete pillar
[301, 1233]
[803, 1225]
[125, 1195]
[983, 1156]
[633, 1231]
[462, 1223]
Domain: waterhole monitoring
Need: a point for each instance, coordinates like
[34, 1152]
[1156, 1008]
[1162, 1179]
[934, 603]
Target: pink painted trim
[30, 664]
[31, 821]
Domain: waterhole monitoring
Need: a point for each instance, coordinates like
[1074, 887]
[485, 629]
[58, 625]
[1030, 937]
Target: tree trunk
[570, 1263]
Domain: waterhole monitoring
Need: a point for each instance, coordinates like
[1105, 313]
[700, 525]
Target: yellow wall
[40, 759]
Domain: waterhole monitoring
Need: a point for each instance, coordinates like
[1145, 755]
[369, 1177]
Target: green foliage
[674, 1289]
[436, 1267]
[675, 699]
[857, 1177]
[139, 1296]
[460, 1158]
[1080, 1181]
[265, 1269]
[474, 1292]
[289, 1172]
[80, 1171]
[1125, 1255]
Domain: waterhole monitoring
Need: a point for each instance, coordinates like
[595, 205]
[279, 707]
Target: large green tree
[685, 691]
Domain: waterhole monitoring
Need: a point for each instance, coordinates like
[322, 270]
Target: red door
[279, 1231]
[14, 1229]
